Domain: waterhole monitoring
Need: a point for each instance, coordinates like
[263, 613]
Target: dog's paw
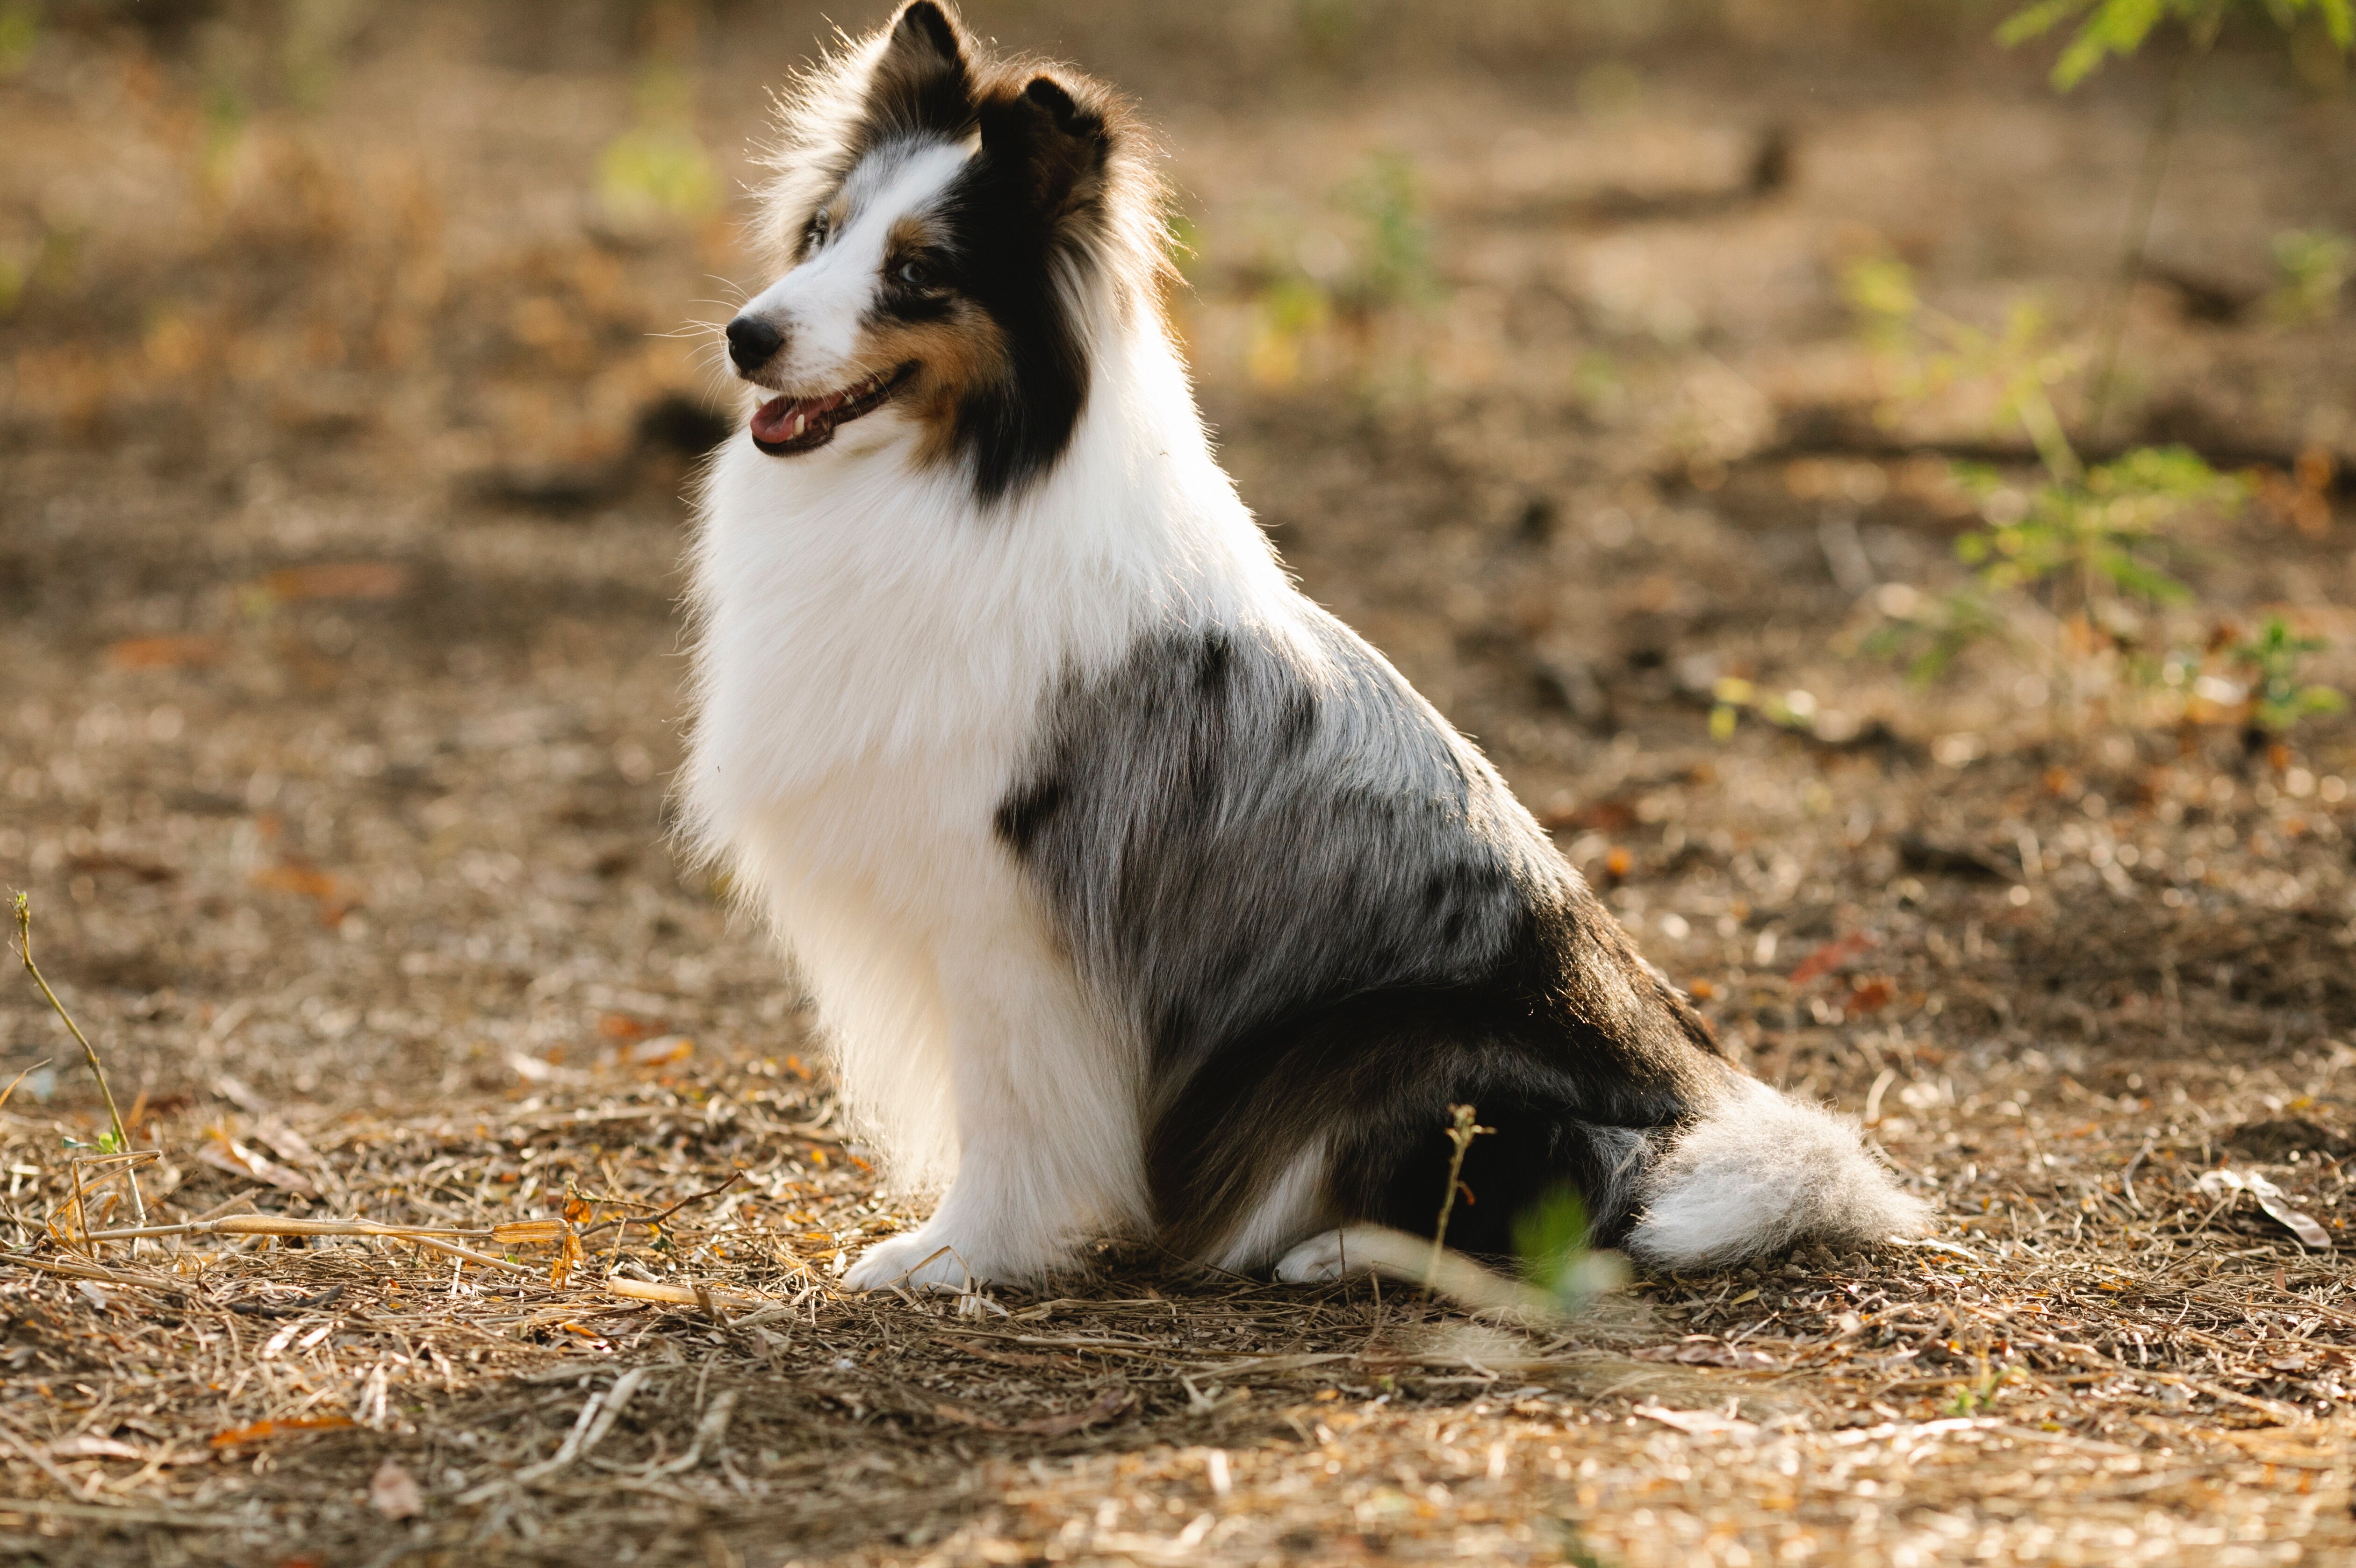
[914, 1261]
[1323, 1259]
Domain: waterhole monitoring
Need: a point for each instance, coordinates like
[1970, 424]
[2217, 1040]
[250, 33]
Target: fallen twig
[89, 1051]
[680, 1295]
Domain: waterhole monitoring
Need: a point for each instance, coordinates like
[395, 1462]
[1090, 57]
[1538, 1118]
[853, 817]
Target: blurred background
[1885, 510]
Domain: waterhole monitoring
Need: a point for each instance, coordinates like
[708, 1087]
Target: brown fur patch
[955, 357]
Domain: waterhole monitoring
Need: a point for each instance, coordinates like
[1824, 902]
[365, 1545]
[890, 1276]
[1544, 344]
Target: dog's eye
[914, 273]
[820, 226]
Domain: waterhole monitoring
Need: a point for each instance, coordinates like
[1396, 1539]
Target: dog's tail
[1758, 1173]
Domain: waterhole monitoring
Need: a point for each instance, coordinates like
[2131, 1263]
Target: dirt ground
[349, 379]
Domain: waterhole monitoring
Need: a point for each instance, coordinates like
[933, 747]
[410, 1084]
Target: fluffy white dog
[1138, 895]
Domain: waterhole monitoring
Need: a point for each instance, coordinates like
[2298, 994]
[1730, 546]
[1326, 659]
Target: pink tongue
[774, 421]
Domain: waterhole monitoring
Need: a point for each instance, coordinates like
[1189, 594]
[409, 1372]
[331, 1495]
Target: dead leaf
[224, 1153]
[336, 579]
[660, 1051]
[1871, 996]
[1831, 957]
[165, 653]
[2272, 1199]
[334, 896]
[263, 1431]
[393, 1493]
[568, 1258]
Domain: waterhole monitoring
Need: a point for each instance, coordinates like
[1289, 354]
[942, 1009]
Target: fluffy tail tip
[1760, 1172]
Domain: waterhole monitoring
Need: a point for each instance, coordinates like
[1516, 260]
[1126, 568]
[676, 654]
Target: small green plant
[2279, 697]
[2080, 552]
[658, 172]
[20, 29]
[2071, 568]
[1393, 265]
[1977, 1395]
[1732, 697]
[1573, 1546]
[2316, 266]
[2094, 533]
[1375, 260]
[2120, 27]
[1550, 1239]
[115, 1139]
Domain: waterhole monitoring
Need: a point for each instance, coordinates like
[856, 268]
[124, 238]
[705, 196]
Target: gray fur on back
[1238, 821]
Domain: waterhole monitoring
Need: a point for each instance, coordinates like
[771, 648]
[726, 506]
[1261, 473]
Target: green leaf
[2036, 21]
[1550, 1237]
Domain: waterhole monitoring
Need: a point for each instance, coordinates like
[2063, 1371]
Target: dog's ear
[1059, 142]
[925, 31]
[923, 81]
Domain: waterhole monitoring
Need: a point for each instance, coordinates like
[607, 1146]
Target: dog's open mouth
[784, 426]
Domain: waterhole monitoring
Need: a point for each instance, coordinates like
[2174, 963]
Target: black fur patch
[1019, 219]
[923, 85]
[1020, 223]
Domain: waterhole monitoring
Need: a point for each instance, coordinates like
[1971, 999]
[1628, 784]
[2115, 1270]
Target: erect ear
[1059, 142]
[925, 34]
[921, 81]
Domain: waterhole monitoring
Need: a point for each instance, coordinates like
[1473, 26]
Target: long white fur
[874, 654]
[1760, 1171]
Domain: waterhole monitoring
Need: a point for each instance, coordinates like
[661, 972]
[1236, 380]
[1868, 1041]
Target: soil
[346, 411]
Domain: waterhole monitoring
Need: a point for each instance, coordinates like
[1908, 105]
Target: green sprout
[1979, 1394]
[20, 29]
[2279, 699]
[658, 171]
[1550, 1239]
[2316, 266]
[2120, 27]
[115, 1139]
[2079, 547]
[2098, 532]
[1393, 265]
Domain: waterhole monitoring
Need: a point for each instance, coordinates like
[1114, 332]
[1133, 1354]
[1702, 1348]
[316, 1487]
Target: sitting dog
[1137, 895]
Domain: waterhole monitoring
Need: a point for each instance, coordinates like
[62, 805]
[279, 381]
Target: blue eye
[914, 273]
[819, 226]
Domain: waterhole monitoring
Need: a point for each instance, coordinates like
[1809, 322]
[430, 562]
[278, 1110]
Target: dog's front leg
[1047, 1128]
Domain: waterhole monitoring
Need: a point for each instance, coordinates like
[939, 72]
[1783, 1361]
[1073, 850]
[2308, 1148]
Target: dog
[1138, 896]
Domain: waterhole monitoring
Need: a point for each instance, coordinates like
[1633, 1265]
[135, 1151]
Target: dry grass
[2121, 1350]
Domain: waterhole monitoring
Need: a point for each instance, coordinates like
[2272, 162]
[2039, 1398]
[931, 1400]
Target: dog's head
[954, 235]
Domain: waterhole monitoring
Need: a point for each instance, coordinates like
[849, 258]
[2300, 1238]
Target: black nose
[752, 342]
